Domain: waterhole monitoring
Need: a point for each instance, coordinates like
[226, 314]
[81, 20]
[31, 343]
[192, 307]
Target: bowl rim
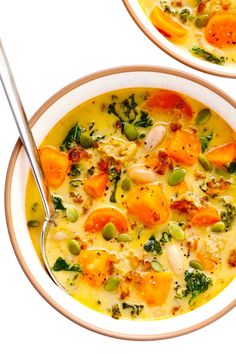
[171, 52]
[9, 219]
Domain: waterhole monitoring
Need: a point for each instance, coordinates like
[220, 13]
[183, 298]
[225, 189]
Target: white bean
[175, 257]
[154, 137]
[141, 174]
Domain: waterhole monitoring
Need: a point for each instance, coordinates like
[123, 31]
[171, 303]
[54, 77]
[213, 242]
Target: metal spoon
[27, 139]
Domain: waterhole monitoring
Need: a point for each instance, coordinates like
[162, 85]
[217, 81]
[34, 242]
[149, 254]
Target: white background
[49, 44]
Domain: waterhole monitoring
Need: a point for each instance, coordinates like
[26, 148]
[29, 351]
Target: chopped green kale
[205, 140]
[184, 15]
[203, 54]
[91, 171]
[72, 138]
[196, 283]
[135, 309]
[34, 206]
[114, 177]
[61, 264]
[58, 204]
[74, 170]
[228, 215]
[167, 9]
[75, 182]
[231, 168]
[153, 245]
[166, 237]
[128, 112]
[144, 120]
[115, 312]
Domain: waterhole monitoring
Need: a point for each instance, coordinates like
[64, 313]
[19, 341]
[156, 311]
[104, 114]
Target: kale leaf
[184, 15]
[166, 237]
[231, 168]
[144, 121]
[228, 215]
[205, 140]
[128, 112]
[72, 138]
[114, 176]
[196, 283]
[74, 170]
[61, 264]
[208, 56]
[58, 204]
[135, 309]
[153, 245]
[115, 310]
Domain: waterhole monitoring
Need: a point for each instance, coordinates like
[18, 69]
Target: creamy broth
[197, 26]
[145, 225]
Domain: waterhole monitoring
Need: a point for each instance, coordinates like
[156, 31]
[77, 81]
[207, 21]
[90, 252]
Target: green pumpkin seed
[176, 176]
[71, 214]
[204, 162]
[201, 20]
[126, 184]
[109, 231]
[33, 223]
[73, 247]
[196, 265]
[111, 284]
[124, 238]
[131, 132]
[156, 266]
[176, 231]
[86, 141]
[218, 227]
[203, 116]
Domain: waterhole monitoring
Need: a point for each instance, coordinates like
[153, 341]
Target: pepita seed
[124, 238]
[205, 163]
[71, 214]
[176, 231]
[218, 227]
[176, 176]
[203, 116]
[196, 265]
[111, 284]
[156, 266]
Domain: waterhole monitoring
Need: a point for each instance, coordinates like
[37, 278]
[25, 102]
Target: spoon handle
[9, 86]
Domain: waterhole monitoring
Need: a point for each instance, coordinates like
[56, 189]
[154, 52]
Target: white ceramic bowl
[43, 120]
[138, 15]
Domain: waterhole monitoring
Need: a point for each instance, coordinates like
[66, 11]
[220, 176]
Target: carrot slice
[208, 264]
[223, 154]
[95, 186]
[169, 101]
[167, 24]
[205, 216]
[220, 30]
[55, 165]
[148, 204]
[154, 287]
[100, 217]
[96, 265]
[184, 147]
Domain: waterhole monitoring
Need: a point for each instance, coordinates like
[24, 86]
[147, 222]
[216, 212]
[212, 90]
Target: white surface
[49, 44]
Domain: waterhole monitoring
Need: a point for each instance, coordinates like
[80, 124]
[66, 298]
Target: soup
[143, 182]
[205, 28]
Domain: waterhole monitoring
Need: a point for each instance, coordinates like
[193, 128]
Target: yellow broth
[136, 272]
[193, 17]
